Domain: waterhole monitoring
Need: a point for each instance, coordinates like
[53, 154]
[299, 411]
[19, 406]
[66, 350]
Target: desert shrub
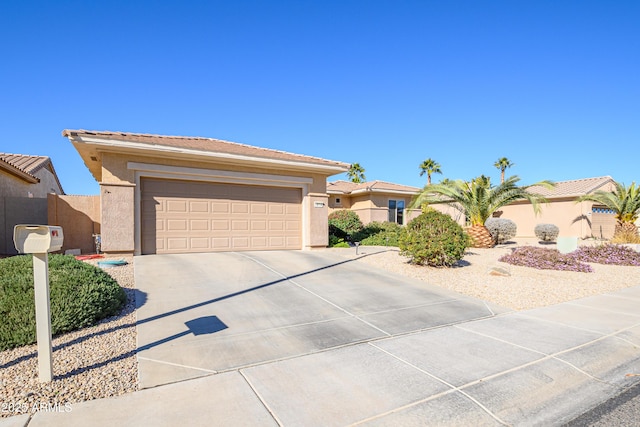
[378, 234]
[337, 242]
[80, 295]
[607, 254]
[433, 238]
[546, 232]
[343, 223]
[626, 236]
[544, 259]
[501, 229]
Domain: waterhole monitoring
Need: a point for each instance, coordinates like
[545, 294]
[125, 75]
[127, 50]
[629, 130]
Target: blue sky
[552, 85]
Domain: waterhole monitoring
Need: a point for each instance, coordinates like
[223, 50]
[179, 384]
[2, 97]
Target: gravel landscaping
[100, 361]
[91, 363]
[524, 288]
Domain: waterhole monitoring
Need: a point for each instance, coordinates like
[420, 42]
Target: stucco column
[318, 206]
[117, 207]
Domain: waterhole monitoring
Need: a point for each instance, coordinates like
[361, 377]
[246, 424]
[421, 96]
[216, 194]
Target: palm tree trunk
[480, 237]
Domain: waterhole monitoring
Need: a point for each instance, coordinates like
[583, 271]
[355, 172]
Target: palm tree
[624, 201]
[356, 173]
[503, 164]
[429, 167]
[478, 200]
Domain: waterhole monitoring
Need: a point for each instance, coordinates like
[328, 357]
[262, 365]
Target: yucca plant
[625, 202]
[478, 200]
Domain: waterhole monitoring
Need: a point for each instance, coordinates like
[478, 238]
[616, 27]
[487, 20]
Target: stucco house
[175, 194]
[374, 200]
[585, 219]
[27, 176]
[383, 201]
[25, 183]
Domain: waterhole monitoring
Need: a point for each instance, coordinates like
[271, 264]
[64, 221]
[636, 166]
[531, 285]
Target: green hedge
[379, 234]
[434, 239]
[80, 295]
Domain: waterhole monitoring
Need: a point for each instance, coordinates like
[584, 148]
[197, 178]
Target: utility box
[37, 239]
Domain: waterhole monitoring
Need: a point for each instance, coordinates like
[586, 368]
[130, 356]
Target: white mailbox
[37, 239]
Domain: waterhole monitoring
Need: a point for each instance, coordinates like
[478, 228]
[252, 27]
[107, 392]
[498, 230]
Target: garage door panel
[176, 206]
[221, 243]
[239, 225]
[259, 242]
[240, 208]
[292, 225]
[182, 216]
[176, 243]
[293, 210]
[258, 208]
[220, 207]
[240, 243]
[258, 225]
[199, 206]
[177, 225]
[221, 224]
[200, 243]
[199, 225]
[276, 209]
[276, 225]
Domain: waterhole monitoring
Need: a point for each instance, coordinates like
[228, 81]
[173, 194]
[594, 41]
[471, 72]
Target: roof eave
[386, 191]
[8, 167]
[109, 145]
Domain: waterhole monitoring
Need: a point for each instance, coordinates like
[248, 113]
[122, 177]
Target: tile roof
[203, 145]
[25, 166]
[575, 188]
[346, 187]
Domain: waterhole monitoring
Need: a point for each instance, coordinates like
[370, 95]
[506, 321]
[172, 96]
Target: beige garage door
[186, 216]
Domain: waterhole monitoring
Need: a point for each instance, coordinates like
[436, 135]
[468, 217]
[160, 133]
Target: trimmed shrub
[501, 229]
[546, 232]
[433, 238]
[378, 234]
[80, 295]
[344, 223]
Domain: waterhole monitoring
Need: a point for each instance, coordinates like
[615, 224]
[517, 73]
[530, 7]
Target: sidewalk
[538, 367]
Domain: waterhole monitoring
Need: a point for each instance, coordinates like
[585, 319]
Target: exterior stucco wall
[118, 193]
[573, 219]
[318, 230]
[117, 214]
[373, 206]
[79, 217]
[12, 186]
[345, 202]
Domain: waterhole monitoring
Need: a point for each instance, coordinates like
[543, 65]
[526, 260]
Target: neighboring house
[25, 182]
[374, 200]
[584, 219]
[383, 201]
[174, 194]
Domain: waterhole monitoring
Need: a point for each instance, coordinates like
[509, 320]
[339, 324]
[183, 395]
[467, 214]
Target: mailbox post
[39, 240]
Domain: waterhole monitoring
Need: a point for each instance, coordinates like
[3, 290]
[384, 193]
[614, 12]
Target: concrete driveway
[208, 313]
[319, 339]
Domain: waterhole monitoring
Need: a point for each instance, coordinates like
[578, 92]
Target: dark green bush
[80, 295]
[433, 238]
[337, 242]
[379, 234]
[344, 223]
